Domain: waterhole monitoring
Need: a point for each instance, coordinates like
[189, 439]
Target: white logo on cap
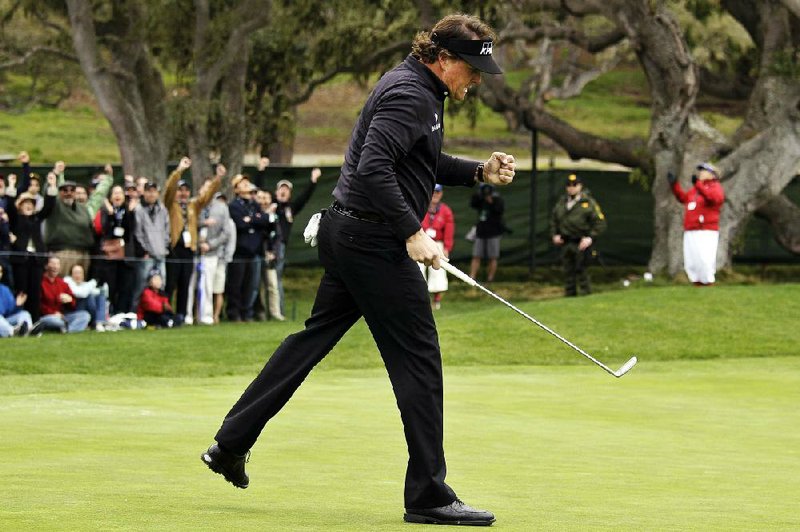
[486, 49]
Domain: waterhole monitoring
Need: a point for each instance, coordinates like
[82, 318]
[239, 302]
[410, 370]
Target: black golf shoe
[229, 465]
[455, 513]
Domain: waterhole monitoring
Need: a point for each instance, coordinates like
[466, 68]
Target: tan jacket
[196, 204]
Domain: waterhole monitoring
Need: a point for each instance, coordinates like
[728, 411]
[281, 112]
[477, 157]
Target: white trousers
[437, 279]
[700, 255]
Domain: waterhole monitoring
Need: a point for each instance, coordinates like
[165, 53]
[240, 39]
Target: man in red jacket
[700, 222]
[440, 225]
[58, 303]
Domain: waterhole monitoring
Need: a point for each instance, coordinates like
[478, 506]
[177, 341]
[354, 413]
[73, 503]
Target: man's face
[243, 189]
[283, 194]
[459, 77]
[151, 195]
[573, 189]
[117, 196]
[53, 266]
[183, 194]
[81, 195]
[34, 187]
[437, 197]
[140, 183]
[263, 198]
[27, 207]
[132, 193]
[67, 194]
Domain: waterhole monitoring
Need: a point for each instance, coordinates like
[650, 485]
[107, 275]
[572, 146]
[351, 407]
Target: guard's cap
[284, 182]
[708, 167]
[476, 52]
[573, 179]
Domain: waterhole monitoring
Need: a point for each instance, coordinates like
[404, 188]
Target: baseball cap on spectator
[708, 167]
[151, 185]
[25, 196]
[437, 187]
[183, 183]
[284, 183]
[152, 273]
[67, 183]
[221, 195]
[130, 185]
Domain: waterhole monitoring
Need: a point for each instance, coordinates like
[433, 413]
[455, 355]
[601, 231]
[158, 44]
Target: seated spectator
[58, 304]
[89, 296]
[154, 307]
[14, 320]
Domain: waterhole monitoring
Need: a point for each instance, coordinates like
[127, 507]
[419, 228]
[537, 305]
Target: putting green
[705, 445]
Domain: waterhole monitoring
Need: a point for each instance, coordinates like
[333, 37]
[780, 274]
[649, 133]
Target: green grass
[104, 431]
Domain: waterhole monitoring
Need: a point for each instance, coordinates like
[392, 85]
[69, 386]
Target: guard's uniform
[574, 220]
[392, 163]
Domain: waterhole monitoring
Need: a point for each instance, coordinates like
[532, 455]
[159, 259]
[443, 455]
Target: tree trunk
[128, 88]
[281, 150]
[232, 101]
[784, 218]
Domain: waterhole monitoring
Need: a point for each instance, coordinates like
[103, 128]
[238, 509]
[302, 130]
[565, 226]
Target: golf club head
[626, 367]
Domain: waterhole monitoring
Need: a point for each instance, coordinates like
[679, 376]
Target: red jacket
[703, 202]
[152, 301]
[440, 226]
[51, 290]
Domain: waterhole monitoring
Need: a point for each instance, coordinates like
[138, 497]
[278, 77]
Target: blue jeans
[95, 305]
[7, 323]
[76, 321]
[253, 285]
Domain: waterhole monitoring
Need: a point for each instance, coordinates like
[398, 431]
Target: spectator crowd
[105, 256]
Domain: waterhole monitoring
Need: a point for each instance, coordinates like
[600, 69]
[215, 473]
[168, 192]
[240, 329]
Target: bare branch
[37, 50]
[578, 144]
[361, 66]
[590, 43]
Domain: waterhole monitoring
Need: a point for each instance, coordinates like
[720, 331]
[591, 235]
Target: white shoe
[188, 320]
[99, 327]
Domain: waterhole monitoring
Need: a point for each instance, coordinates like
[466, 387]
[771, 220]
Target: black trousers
[28, 273]
[367, 273]
[121, 279]
[180, 265]
[237, 288]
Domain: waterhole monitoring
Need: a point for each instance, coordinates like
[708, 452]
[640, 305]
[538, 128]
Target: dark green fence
[628, 209]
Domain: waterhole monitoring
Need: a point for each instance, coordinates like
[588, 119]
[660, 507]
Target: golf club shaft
[449, 268]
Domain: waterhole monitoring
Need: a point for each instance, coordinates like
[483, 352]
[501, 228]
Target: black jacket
[28, 229]
[250, 233]
[490, 214]
[288, 210]
[395, 154]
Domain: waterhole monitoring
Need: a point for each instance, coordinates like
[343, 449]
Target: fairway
[687, 441]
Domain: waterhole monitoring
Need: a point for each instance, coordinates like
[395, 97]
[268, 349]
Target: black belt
[358, 215]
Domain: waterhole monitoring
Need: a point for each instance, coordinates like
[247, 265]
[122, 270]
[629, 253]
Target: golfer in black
[369, 242]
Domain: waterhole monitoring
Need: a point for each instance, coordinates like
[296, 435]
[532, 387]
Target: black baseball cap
[476, 52]
[150, 185]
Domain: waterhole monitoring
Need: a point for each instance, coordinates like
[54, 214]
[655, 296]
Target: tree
[757, 162]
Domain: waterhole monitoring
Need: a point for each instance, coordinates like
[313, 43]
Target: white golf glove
[311, 230]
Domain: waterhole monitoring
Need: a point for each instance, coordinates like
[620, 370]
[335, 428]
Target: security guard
[576, 222]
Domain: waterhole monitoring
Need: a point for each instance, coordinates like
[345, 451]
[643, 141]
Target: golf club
[449, 268]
